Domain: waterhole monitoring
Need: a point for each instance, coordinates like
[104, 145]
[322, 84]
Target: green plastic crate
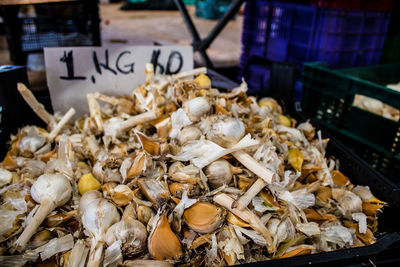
[328, 97]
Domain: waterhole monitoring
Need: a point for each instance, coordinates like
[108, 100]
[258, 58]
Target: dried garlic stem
[247, 216]
[108, 99]
[189, 73]
[70, 113]
[78, 255]
[95, 111]
[33, 103]
[96, 256]
[135, 120]
[44, 209]
[266, 177]
[245, 200]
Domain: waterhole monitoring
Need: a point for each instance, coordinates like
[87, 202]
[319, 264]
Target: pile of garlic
[176, 173]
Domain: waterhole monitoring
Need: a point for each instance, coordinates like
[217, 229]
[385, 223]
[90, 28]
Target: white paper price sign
[72, 72]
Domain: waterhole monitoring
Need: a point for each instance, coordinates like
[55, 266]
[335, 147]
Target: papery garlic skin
[196, 108]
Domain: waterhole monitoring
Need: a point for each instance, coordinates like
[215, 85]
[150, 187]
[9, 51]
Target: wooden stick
[37, 107]
[135, 120]
[67, 116]
[95, 112]
[248, 216]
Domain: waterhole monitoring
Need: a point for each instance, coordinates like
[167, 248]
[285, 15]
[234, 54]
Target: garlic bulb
[51, 191]
[220, 172]
[189, 133]
[226, 131]
[97, 217]
[196, 108]
[88, 197]
[5, 177]
[348, 201]
[131, 232]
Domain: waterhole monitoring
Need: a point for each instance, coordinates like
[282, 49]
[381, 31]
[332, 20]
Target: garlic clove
[204, 217]
[139, 165]
[122, 195]
[366, 195]
[284, 120]
[9, 163]
[339, 178]
[154, 190]
[177, 189]
[371, 209]
[296, 158]
[150, 146]
[324, 193]
[315, 216]
[163, 243]
[233, 219]
[202, 81]
[144, 214]
[88, 182]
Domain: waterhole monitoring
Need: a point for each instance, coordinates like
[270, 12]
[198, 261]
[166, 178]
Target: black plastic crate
[74, 23]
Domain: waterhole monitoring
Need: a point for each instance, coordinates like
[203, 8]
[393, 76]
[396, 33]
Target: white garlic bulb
[131, 232]
[196, 108]
[98, 216]
[220, 172]
[189, 133]
[226, 131]
[51, 191]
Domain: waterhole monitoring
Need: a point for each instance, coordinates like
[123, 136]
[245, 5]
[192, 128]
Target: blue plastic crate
[298, 33]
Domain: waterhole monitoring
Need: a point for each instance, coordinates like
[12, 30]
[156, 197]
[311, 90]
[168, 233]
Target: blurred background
[333, 59]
